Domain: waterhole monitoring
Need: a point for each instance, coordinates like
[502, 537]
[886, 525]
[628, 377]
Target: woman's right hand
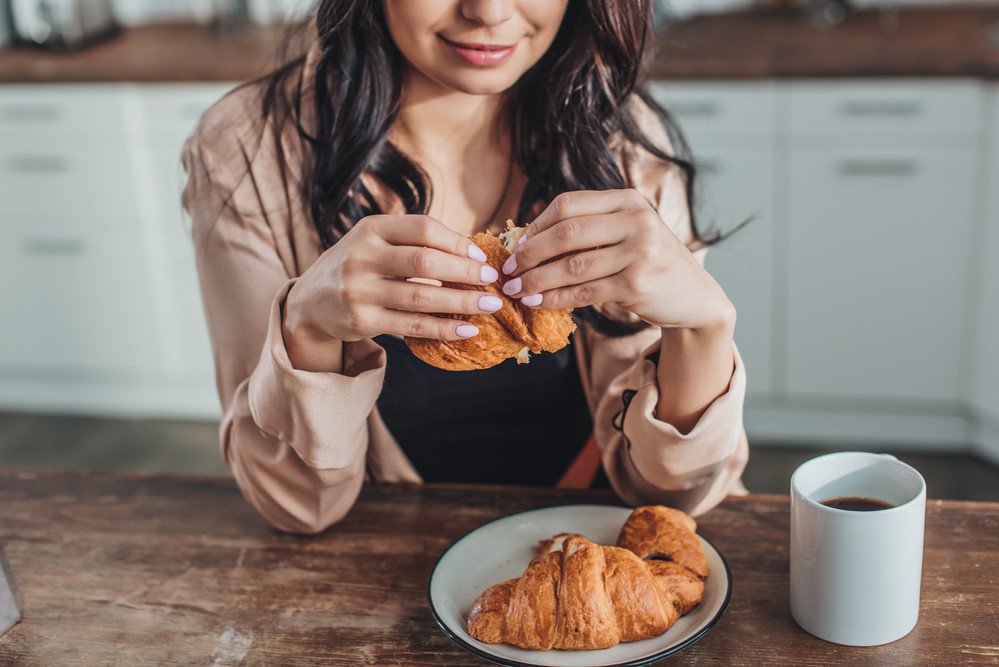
[358, 288]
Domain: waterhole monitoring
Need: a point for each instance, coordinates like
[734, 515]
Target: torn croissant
[579, 595]
[513, 331]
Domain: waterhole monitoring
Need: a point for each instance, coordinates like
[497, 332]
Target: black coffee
[857, 504]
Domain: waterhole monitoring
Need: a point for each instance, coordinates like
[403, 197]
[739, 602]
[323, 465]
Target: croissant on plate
[579, 595]
[514, 331]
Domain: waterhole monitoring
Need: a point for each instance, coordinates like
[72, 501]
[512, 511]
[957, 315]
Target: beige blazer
[301, 444]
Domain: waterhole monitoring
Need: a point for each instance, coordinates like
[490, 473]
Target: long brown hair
[565, 113]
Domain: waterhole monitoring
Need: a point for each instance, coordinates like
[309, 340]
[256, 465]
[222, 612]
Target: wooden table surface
[133, 570]
[941, 41]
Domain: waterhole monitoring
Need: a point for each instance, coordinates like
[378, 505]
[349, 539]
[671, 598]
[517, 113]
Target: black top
[509, 424]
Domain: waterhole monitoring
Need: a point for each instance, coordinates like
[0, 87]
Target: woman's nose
[487, 12]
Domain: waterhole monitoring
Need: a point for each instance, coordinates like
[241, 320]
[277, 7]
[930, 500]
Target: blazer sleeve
[296, 441]
[648, 460]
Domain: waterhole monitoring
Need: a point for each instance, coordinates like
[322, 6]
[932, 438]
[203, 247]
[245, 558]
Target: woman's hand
[358, 288]
[617, 250]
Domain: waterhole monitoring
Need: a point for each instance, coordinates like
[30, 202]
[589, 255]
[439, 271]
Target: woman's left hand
[619, 251]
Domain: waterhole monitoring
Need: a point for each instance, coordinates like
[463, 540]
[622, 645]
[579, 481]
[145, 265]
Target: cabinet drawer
[78, 180]
[878, 255]
[61, 108]
[732, 110]
[893, 108]
[77, 307]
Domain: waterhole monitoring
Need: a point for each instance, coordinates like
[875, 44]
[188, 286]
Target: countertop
[169, 53]
[947, 42]
[950, 42]
[153, 569]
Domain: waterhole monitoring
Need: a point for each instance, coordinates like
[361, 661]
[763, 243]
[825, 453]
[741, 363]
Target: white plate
[501, 550]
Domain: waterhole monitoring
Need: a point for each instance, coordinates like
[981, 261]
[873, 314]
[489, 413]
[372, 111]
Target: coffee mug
[855, 575]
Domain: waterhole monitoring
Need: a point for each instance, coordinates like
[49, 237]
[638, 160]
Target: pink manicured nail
[466, 330]
[532, 300]
[522, 240]
[512, 287]
[475, 252]
[510, 265]
[490, 303]
[487, 274]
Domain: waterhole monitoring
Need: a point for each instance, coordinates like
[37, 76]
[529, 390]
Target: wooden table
[132, 569]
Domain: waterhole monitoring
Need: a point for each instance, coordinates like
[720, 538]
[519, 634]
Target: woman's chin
[480, 82]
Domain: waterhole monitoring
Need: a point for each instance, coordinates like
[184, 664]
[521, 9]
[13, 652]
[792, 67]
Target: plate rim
[640, 662]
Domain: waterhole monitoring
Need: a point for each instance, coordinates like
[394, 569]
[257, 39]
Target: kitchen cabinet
[76, 301]
[881, 212]
[76, 307]
[731, 131]
[879, 245]
[168, 114]
[983, 362]
[106, 314]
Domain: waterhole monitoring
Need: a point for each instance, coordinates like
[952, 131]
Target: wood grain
[942, 41]
[138, 569]
[152, 54]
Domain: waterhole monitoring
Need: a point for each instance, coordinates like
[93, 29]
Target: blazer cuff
[662, 455]
[323, 416]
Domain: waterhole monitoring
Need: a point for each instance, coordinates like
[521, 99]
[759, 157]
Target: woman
[406, 128]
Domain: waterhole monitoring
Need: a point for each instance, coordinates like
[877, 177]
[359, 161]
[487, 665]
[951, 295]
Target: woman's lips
[482, 55]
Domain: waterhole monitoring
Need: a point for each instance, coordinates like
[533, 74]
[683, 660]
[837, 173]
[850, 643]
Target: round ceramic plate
[501, 550]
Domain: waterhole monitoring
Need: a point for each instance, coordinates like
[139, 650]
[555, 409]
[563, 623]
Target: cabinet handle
[880, 108]
[43, 245]
[878, 167]
[51, 164]
[695, 109]
[29, 112]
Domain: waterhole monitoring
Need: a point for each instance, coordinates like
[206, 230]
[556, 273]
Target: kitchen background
[862, 137]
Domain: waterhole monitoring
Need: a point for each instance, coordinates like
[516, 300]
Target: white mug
[855, 574]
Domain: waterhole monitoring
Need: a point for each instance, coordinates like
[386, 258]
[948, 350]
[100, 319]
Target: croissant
[579, 595]
[512, 331]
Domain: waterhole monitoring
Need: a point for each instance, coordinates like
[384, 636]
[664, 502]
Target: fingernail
[512, 287]
[466, 330]
[521, 240]
[475, 252]
[490, 303]
[487, 274]
[510, 265]
[532, 300]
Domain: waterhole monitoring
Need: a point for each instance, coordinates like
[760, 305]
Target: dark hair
[565, 112]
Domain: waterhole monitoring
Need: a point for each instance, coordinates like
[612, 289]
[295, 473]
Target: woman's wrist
[695, 368]
[308, 348]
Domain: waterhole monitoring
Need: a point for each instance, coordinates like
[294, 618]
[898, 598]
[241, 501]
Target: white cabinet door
[737, 184]
[879, 246]
[76, 292]
[985, 357]
[728, 113]
[76, 308]
[927, 111]
[169, 114]
[730, 127]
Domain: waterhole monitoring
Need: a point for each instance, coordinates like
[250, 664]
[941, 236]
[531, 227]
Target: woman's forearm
[695, 368]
